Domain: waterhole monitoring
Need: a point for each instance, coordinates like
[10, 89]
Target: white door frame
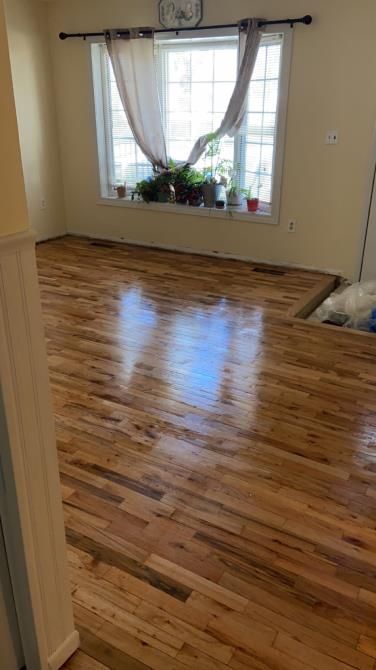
[12, 656]
[370, 193]
[30, 494]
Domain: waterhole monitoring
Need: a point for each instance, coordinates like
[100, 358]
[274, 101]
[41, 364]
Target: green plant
[211, 158]
[186, 181]
[151, 189]
[216, 168]
[195, 195]
[236, 190]
[147, 189]
[180, 182]
[164, 186]
[234, 181]
[249, 194]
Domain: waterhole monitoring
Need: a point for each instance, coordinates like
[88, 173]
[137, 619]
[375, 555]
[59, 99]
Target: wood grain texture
[217, 461]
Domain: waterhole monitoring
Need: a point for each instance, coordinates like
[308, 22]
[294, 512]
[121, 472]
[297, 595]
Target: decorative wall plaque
[180, 13]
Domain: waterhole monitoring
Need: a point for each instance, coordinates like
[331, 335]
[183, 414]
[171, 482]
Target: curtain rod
[307, 20]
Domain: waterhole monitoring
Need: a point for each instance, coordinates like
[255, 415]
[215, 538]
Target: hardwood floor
[218, 461]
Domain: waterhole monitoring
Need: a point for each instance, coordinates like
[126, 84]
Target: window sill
[234, 213]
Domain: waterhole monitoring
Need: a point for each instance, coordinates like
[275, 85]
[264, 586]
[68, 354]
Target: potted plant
[211, 192]
[235, 194]
[181, 194]
[121, 191]
[147, 190]
[252, 202]
[214, 186]
[164, 187]
[195, 196]
[158, 188]
[187, 182]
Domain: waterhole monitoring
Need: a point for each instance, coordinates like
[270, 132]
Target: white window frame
[281, 125]
[105, 153]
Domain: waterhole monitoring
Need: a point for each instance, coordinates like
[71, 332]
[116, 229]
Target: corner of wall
[36, 115]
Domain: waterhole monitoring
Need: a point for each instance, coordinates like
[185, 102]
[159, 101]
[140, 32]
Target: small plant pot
[220, 204]
[211, 193]
[234, 199]
[163, 197]
[195, 202]
[181, 197]
[253, 204]
[121, 191]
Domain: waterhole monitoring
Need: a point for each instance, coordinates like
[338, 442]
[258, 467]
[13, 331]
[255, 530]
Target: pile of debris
[352, 307]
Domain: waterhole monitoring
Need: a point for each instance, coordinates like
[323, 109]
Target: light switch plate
[332, 137]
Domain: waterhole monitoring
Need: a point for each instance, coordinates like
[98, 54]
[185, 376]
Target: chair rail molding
[30, 496]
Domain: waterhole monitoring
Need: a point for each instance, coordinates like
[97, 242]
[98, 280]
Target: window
[259, 138]
[196, 77]
[120, 158]
[196, 80]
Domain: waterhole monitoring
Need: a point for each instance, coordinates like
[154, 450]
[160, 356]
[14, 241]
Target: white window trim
[283, 97]
[105, 165]
[103, 151]
[230, 213]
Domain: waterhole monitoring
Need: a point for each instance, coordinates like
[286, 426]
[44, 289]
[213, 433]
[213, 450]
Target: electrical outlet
[291, 227]
[332, 137]
[43, 203]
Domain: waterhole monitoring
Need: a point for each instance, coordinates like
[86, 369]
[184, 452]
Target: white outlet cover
[332, 137]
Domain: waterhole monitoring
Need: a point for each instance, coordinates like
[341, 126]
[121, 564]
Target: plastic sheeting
[355, 307]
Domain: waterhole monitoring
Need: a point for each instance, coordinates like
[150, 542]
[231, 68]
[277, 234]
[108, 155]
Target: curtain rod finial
[307, 19]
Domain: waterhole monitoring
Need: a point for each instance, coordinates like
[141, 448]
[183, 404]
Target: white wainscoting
[30, 496]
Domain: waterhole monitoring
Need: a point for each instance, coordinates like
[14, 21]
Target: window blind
[257, 141]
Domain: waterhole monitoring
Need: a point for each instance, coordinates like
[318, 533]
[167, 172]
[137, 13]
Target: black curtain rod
[307, 20]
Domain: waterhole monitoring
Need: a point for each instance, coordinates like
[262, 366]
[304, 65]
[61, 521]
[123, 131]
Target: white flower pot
[212, 193]
[234, 199]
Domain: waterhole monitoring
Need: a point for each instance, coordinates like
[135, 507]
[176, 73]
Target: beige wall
[13, 213]
[36, 112]
[324, 187]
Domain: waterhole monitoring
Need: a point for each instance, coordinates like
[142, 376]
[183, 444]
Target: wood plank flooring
[218, 464]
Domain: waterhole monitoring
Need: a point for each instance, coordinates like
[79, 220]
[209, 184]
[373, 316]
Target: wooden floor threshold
[307, 304]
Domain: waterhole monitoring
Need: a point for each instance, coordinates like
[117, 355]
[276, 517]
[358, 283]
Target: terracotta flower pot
[121, 191]
[252, 204]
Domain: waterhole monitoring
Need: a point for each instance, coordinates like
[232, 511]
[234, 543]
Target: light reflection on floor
[207, 354]
[138, 321]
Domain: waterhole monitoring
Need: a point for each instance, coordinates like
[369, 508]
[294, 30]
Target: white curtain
[249, 42]
[132, 58]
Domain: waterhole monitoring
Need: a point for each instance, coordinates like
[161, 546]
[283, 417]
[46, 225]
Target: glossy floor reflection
[217, 464]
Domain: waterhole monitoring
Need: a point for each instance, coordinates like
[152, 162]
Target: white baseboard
[64, 652]
[215, 254]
